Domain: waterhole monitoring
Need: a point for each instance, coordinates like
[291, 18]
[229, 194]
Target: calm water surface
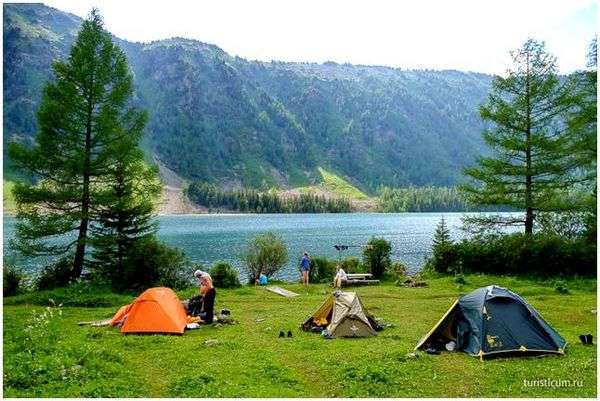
[208, 238]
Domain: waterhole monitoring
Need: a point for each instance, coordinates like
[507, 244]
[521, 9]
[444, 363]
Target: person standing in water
[305, 268]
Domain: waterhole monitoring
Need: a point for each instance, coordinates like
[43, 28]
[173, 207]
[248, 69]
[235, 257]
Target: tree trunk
[85, 197]
[80, 250]
[528, 175]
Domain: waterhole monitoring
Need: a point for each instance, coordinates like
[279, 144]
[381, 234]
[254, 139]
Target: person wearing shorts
[305, 268]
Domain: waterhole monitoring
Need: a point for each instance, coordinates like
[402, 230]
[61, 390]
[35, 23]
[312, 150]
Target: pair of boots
[282, 334]
[586, 339]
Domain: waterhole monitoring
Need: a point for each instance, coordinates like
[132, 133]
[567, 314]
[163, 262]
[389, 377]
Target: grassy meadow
[46, 354]
[334, 185]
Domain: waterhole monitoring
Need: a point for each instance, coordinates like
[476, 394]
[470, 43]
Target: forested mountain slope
[234, 122]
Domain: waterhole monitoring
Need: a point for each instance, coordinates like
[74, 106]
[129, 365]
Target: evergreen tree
[80, 115]
[441, 237]
[583, 131]
[582, 120]
[529, 165]
[128, 204]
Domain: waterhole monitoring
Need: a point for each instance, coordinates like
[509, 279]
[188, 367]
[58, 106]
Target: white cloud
[473, 35]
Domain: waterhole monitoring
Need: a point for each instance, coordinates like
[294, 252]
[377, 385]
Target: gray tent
[494, 321]
[343, 315]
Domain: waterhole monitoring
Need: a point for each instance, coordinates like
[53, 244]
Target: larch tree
[583, 118]
[529, 163]
[583, 130]
[80, 117]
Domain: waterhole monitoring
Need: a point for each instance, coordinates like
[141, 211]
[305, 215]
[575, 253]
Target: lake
[208, 238]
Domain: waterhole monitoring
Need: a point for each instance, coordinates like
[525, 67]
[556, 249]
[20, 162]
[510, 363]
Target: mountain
[235, 122]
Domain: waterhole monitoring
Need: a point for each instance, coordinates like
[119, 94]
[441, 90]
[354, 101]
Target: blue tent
[493, 321]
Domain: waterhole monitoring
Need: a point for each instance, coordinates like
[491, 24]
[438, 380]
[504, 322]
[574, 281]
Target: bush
[56, 275]
[539, 254]
[353, 265]
[13, 280]
[460, 279]
[561, 287]
[224, 275]
[266, 253]
[150, 263]
[322, 270]
[399, 269]
[376, 255]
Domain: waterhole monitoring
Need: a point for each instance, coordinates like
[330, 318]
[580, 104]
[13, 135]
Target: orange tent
[156, 310]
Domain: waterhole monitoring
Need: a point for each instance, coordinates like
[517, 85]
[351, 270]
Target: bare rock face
[173, 199]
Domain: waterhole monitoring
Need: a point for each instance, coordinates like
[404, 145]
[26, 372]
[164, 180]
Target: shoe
[289, 333]
[281, 334]
[432, 351]
[589, 339]
[583, 339]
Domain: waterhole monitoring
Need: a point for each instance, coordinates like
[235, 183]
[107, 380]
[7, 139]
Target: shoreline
[226, 214]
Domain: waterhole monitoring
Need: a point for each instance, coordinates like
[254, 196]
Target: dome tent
[156, 310]
[493, 321]
[343, 315]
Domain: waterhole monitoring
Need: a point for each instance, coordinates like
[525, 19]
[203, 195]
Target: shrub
[376, 255]
[459, 279]
[399, 269]
[224, 275]
[13, 280]
[568, 224]
[353, 265]
[56, 275]
[322, 269]
[150, 263]
[518, 253]
[561, 287]
[266, 253]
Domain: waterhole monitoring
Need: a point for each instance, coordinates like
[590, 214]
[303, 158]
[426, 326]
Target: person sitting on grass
[262, 279]
[208, 293]
[340, 277]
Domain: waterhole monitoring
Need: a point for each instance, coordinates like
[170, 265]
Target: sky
[467, 35]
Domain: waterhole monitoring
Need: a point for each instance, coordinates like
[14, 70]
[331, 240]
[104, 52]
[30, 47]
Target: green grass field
[334, 185]
[53, 357]
[339, 186]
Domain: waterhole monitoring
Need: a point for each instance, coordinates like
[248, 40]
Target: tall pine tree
[529, 165]
[441, 237]
[80, 117]
[127, 203]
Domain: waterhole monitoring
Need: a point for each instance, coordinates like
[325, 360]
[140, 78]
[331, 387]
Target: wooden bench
[359, 276]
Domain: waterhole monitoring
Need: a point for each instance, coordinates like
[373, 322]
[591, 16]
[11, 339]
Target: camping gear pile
[342, 315]
[492, 321]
